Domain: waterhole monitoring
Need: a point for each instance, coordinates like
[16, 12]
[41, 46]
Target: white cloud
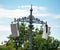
[43, 8]
[4, 28]
[4, 33]
[57, 16]
[12, 13]
[22, 11]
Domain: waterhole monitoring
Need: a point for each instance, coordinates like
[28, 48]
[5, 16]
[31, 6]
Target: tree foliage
[22, 42]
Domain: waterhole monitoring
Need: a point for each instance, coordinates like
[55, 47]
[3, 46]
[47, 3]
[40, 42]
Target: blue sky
[46, 10]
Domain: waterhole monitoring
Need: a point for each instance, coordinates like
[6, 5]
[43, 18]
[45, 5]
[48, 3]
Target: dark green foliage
[23, 39]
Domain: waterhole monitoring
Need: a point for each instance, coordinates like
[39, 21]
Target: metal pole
[31, 20]
[30, 17]
[30, 37]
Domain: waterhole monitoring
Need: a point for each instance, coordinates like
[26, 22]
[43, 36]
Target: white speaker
[49, 28]
[45, 32]
[14, 29]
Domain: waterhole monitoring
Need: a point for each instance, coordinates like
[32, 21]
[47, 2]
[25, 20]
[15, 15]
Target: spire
[31, 10]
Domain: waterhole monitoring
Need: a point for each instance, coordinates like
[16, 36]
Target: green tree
[23, 40]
